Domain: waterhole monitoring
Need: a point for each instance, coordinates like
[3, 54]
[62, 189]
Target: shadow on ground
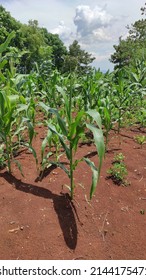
[63, 207]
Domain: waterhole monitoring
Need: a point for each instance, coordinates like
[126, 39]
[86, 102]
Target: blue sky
[96, 24]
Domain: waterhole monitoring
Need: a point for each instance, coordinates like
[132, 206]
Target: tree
[31, 41]
[7, 25]
[29, 38]
[77, 60]
[133, 47]
[58, 48]
[34, 43]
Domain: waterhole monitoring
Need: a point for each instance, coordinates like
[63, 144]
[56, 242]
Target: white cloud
[96, 24]
[62, 30]
[88, 21]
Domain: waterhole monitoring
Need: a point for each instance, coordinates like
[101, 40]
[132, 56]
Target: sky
[95, 24]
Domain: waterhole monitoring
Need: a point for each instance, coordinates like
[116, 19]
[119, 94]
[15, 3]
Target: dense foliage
[30, 40]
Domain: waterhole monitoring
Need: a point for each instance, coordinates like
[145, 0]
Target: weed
[140, 139]
[119, 157]
[118, 171]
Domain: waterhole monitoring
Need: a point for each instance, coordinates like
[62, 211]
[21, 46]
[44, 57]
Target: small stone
[12, 222]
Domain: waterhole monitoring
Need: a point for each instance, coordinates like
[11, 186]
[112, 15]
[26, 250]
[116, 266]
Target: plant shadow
[63, 206]
[47, 170]
[44, 173]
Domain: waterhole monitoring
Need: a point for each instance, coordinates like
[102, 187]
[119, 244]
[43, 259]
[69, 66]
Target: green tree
[58, 48]
[133, 47]
[7, 25]
[31, 41]
[77, 60]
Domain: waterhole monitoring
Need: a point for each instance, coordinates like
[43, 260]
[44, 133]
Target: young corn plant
[71, 129]
[10, 127]
[105, 109]
[7, 120]
[7, 107]
[120, 96]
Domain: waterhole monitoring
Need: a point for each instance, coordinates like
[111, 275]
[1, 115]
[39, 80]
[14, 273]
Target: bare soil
[38, 221]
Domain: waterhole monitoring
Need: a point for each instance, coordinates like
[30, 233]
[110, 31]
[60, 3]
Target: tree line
[33, 47]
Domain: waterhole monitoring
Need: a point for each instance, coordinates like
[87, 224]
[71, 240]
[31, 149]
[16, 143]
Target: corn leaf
[76, 162]
[32, 150]
[53, 129]
[95, 175]
[30, 130]
[75, 124]
[45, 142]
[3, 63]
[65, 100]
[95, 116]
[13, 99]
[61, 122]
[62, 166]
[99, 142]
[19, 166]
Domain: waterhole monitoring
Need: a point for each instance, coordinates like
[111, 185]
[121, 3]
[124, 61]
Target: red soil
[38, 220]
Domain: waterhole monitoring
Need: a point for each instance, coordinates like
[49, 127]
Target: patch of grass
[118, 171]
[140, 139]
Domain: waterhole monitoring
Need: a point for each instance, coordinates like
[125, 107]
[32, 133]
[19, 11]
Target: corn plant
[7, 119]
[138, 85]
[11, 124]
[121, 95]
[92, 89]
[71, 129]
[105, 110]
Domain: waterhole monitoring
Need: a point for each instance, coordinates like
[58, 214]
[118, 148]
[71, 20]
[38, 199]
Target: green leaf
[95, 175]
[62, 166]
[95, 116]
[2, 77]
[2, 104]
[65, 100]
[61, 122]
[32, 150]
[77, 161]
[53, 129]
[22, 107]
[75, 140]
[45, 142]
[13, 99]
[3, 63]
[19, 166]
[99, 142]
[75, 124]
[6, 43]
[44, 106]
[30, 130]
